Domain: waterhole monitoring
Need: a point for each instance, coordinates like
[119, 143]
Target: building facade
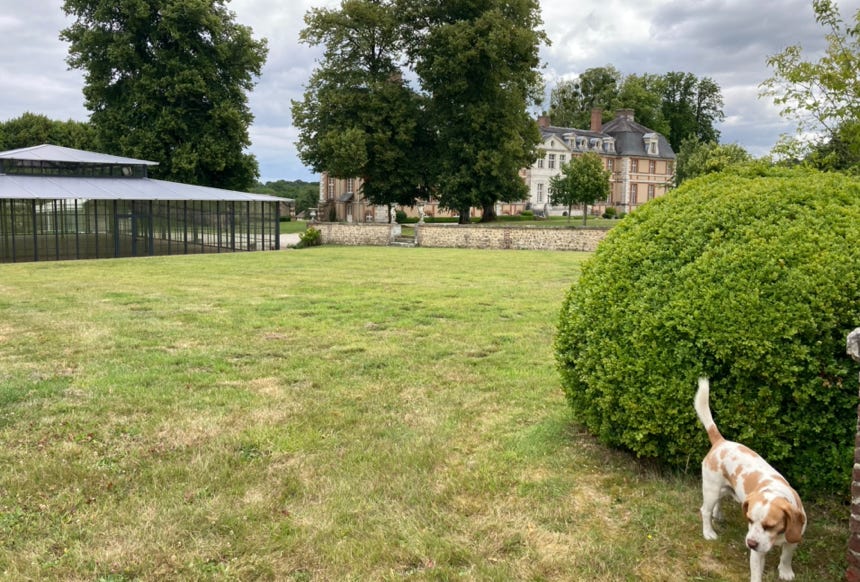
[640, 161]
[641, 164]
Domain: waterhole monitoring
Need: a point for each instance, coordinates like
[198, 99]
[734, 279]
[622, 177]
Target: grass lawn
[324, 415]
[293, 226]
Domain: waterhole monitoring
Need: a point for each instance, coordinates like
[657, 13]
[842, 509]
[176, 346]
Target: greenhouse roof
[52, 153]
[47, 172]
[31, 187]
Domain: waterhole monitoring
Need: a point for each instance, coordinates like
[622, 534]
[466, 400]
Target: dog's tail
[703, 411]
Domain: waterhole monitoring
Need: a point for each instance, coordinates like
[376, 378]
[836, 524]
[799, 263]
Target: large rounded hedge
[752, 279]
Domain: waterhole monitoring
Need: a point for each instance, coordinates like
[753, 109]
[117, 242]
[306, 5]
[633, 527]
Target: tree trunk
[464, 216]
[584, 214]
[489, 213]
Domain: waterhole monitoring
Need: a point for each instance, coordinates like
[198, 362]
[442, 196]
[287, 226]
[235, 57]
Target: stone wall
[366, 234]
[521, 238]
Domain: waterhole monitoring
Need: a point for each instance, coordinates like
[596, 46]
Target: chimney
[543, 121]
[624, 114]
[597, 119]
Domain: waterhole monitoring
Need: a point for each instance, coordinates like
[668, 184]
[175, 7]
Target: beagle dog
[770, 505]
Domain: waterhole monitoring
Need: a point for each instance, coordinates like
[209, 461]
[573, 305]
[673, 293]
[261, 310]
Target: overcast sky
[726, 40]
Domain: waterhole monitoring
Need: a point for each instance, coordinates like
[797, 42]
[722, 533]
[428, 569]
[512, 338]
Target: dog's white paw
[786, 573]
[710, 535]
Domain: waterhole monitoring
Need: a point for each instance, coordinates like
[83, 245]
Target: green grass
[327, 414]
[293, 226]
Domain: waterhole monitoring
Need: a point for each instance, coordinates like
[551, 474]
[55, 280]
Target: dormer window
[580, 142]
[595, 143]
[651, 147]
[609, 145]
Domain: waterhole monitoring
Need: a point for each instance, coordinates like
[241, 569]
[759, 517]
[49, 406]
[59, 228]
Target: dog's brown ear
[794, 522]
[744, 506]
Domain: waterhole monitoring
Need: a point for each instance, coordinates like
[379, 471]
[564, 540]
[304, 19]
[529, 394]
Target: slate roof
[629, 137]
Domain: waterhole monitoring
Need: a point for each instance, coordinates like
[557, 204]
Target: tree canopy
[32, 129]
[678, 105]
[583, 180]
[823, 97]
[406, 81]
[167, 80]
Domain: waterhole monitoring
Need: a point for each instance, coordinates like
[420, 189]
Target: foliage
[167, 80]
[583, 180]
[823, 96]
[305, 194]
[678, 105]
[478, 63]
[311, 237]
[571, 101]
[358, 118]
[696, 158]
[691, 107]
[751, 279]
[31, 129]
[476, 67]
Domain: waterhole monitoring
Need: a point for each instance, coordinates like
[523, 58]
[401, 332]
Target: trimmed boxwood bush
[750, 278]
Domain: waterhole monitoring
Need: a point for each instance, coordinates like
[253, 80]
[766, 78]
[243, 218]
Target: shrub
[753, 280]
[610, 212]
[310, 238]
[527, 214]
[400, 216]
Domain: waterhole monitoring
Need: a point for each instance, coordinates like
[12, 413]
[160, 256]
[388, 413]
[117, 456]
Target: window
[330, 188]
[670, 167]
[540, 162]
[561, 159]
[651, 191]
[350, 183]
[652, 167]
[540, 193]
[634, 166]
[552, 161]
[610, 164]
[634, 193]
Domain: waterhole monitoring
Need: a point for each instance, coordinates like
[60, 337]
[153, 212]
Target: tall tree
[358, 117]
[167, 80]
[571, 102]
[691, 108]
[478, 62]
[823, 96]
[583, 180]
[644, 95]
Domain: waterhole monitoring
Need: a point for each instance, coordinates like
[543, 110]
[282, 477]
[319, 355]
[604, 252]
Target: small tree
[823, 96]
[583, 180]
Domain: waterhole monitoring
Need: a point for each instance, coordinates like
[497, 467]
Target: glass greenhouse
[58, 203]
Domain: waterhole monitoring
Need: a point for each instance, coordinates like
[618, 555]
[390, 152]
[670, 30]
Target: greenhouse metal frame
[57, 204]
